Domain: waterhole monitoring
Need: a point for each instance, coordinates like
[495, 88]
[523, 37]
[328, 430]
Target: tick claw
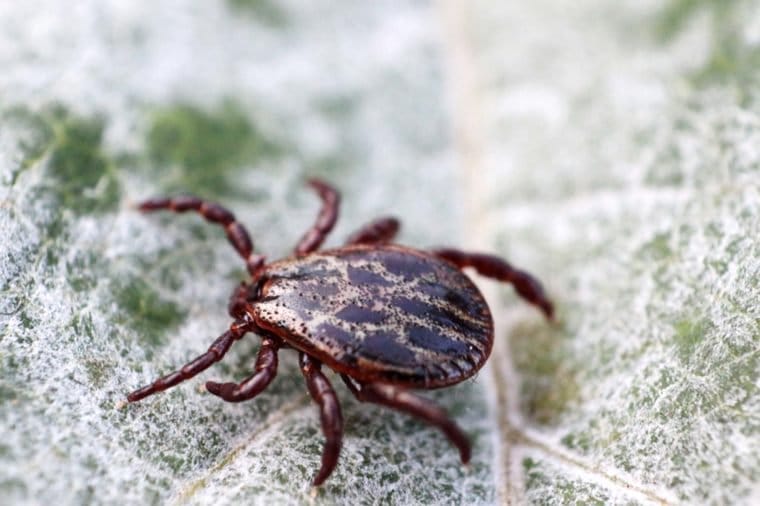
[227, 391]
[215, 388]
[548, 310]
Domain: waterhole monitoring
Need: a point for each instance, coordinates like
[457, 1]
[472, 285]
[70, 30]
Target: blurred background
[610, 148]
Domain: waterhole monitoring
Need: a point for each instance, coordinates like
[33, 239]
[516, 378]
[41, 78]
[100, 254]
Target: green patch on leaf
[733, 59]
[688, 334]
[174, 461]
[147, 312]
[549, 384]
[658, 248]
[267, 11]
[676, 14]
[80, 175]
[13, 486]
[98, 371]
[581, 441]
[83, 178]
[35, 135]
[81, 270]
[7, 394]
[198, 151]
[338, 106]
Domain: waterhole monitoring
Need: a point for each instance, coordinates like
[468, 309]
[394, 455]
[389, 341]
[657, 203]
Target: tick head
[247, 295]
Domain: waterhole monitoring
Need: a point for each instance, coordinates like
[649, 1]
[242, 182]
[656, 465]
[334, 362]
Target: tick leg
[215, 352]
[329, 408]
[528, 287]
[380, 231]
[419, 407]
[314, 237]
[214, 213]
[265, 371]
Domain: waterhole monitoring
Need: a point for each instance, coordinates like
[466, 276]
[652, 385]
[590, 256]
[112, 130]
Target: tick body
[387, 318]
[379, 313]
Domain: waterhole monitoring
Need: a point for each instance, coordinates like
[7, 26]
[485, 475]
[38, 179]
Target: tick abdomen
[379, 313]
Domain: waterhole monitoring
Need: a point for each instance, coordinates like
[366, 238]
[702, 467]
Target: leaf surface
[617, 159]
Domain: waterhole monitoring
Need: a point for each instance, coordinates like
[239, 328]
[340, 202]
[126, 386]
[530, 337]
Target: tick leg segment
[214, 213]
[314, 237]
[215, 353]
[380, 231]
[329, 408]
[419, 407]
[265, 371]
[528, 287]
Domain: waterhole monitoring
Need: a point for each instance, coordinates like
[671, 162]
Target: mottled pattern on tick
[386, 313]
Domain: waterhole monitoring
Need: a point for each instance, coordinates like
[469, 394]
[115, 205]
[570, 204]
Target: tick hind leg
[527, 286]
[214, 213]
[329, 409]
[380, 231]
[265, 371]
[419, 407]
[215, 353]
[316, 235]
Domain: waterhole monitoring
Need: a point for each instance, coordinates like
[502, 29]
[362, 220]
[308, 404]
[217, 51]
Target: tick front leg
[215, 353]
[214, 213]
[329, 408]
[316, 235]
[265, 371]
[527, 286]
[419, 407]
[380, 231]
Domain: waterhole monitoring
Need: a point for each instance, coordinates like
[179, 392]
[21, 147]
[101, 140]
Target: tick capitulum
[387, 318]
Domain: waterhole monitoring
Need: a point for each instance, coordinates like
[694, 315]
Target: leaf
[629, 184]
[637, 199]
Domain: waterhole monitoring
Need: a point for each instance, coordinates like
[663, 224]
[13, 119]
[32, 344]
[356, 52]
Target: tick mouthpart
[268, 298]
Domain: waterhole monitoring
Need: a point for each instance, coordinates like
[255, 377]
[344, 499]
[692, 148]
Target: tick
[388, 319]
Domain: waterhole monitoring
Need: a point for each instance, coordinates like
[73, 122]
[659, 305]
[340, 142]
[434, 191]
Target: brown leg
[528, 287]
[236, 232]
[265, 371]
[329, 408]
[215, 352]
[419, 407]
[380, 231]
[325, 221]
